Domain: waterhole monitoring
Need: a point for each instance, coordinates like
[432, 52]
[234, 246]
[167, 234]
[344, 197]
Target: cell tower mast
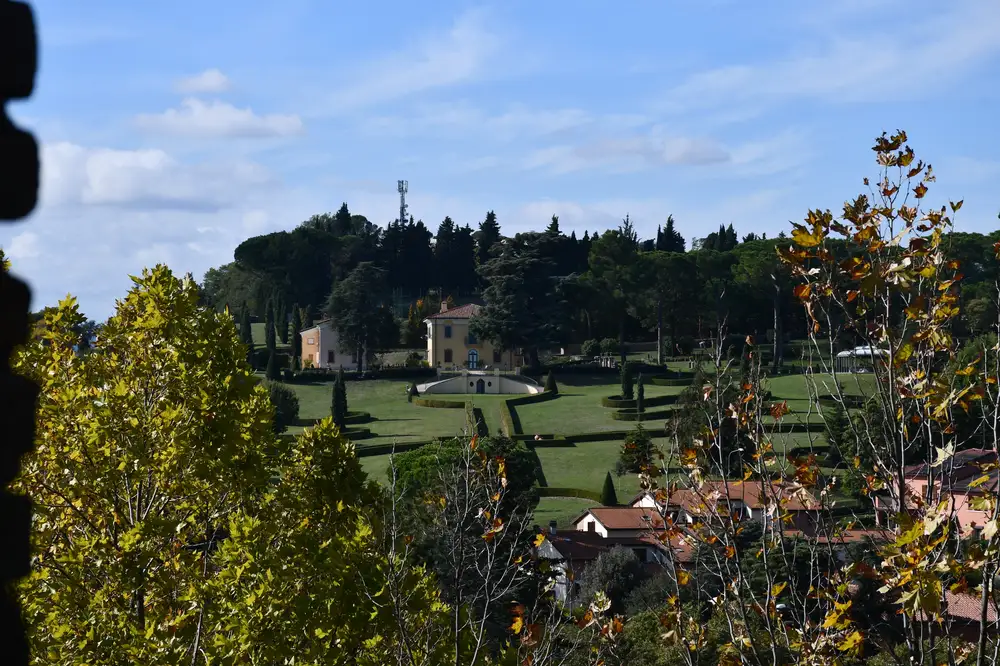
[402, 186]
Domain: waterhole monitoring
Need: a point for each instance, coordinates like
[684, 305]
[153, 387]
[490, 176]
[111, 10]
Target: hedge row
[796, 426]
[555, 441]
[443, 404]
[619, 402]
[850, 401]
[382, 449]
[666, 381]
[510, 424]
[357, 417]
[549, 491]
[481, 428]
[632, 415]
[325, 374]
[354, 434]
[528, 399]
[507, 421]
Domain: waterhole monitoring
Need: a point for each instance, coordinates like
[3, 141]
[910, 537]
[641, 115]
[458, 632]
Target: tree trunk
[533, 358]
[659, 331]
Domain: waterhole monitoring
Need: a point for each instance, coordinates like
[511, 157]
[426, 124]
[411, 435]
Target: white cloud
[903, 63]
[73, 175]
[209, 81]
[196, 118]
[23, 246]
[437, 61]
[628, 154]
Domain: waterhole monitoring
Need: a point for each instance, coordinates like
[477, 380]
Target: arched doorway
[481, 386]
[473, 359]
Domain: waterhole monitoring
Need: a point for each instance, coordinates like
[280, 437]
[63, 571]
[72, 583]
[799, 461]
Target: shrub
[608, 495]
[286, 405]
[590, 348]
[637, 451]
[609, 346]
[413, 360]
[616, 572]
[412, 392]
[550, 383]
[338, 407]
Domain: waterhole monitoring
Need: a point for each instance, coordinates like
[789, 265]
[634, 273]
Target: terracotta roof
[965, 607]
[315, 325]
[459, 312]
[840, 536]
[624, 517]
[962, 464]
[749, 493]
[580, 546]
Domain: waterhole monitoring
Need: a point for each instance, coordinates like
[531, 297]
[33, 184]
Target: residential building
[452, 346]
[321, 348]
[963, 477]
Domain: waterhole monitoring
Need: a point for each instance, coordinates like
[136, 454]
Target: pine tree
[608, 495]
[640, 395]
[269, 337]
[246, 331]
[837, 432]
[272, 372]
[282, 322]
[296, 330]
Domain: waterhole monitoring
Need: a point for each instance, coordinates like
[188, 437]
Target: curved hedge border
[550, 491]
[668, 381]
[442, 404]
[850, 401]
[510, 424]
[357, 417]
[654, 401]
[632, 415]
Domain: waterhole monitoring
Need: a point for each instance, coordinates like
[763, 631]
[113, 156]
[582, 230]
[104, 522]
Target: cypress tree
[307, 317]
[246, 331]
[296, 330]
[269, 325]
[339, 406]
[640, 395]
[272, 371]
[628, 381]
[550, 383]
[282, 321]
[608, 495]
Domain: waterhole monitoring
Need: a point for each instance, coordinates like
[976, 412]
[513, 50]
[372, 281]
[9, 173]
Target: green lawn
[578, 408]
[395, 419]
[560, 509]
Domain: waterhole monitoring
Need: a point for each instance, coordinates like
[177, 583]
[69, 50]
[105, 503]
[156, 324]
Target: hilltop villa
[450, 344]
[321, 348]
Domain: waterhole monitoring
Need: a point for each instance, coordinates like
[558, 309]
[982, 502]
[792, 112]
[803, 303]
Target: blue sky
[166, 140]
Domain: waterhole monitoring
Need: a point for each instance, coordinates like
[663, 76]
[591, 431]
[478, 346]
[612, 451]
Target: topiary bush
[286, 405]
[412, 392]
[550, 384]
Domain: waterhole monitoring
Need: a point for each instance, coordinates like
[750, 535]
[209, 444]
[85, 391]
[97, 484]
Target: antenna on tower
[402, 186]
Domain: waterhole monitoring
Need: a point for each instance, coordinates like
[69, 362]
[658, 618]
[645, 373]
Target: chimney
[444, 306]
[552, 528]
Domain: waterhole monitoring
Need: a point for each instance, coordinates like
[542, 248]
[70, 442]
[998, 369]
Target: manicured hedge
[550, 491]
[357, 433]
[357, 417]
[618, 402]
[850, 401]
[529, 399]
[482, 429]
[795, 426]
[382, 449]
[632, 415]
[443, 404]
[507, 420]
[325, 374]
[666, 381]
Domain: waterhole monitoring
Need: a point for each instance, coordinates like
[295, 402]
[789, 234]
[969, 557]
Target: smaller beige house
[451, 346]
[321, 348]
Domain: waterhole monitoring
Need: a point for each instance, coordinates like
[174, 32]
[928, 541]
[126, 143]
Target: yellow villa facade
[450, 345]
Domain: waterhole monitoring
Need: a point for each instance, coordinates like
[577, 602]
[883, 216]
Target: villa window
[447, 355]
[310, 341]
[472, 339]
[497, 356]
[591, 526]
[330, 356]
[447, 331]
